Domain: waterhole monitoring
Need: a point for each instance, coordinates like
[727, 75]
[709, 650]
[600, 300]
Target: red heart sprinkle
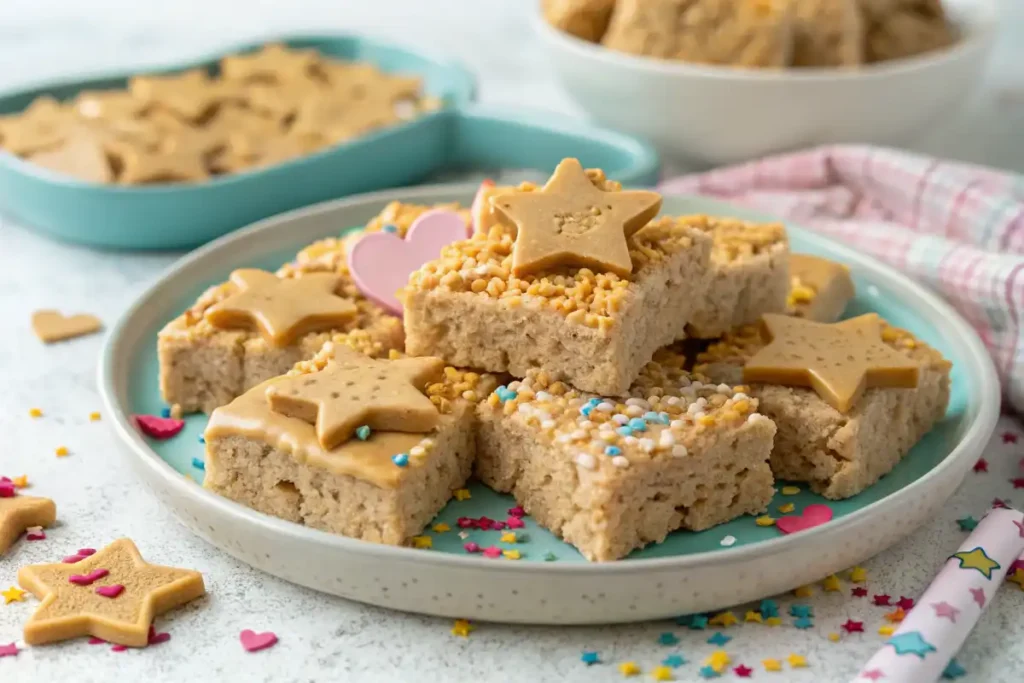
[158, 427]
[813, 515]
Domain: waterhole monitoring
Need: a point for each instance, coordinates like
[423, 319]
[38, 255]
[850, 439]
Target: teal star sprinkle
[719, 639]
[803, 622]
[668, 639]
[698, 622]
[953, 670]
[769, 609]
[911, 643]
[674, 661]
[550, 556]
[590, 657]
[967, 523]
[708, 672]
[801, 611]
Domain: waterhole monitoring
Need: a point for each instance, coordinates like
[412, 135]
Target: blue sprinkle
[202, 439]
[613, 450]
[505, 394]
[803, 622]
[166, 412]
[708, 672]
[637, 425]
[625, 431]
[664, 418]
[801, 611]
[668, 639]
[674, 661]
[698, 622]
[389, 228]
[363, 432]
[651, 416]
[769, 608]
[719, 639]
[593, 402]
[586, 410]
[589, 658]
[953, 670]
[198, 464]
[402, 459]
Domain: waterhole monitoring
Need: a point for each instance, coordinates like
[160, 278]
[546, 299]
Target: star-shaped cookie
[570, 222]
[18, 513]
[191, 94]
[355, 390]
[282, 309]
[839, 361]
[274, 62]
[72, 604]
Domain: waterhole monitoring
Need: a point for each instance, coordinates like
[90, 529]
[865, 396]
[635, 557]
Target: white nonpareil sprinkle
[672, 400]
[463, 535]
[543, 396]
[630, 440]
[525, 408]
[605, 407]
[483, 270]
[543, 415]
[579, 434]
[728, 541]
[740, 396]
[563, 438]
[514, 386]
[666, 439]
[639, 402]
[647, 445]
[619, 418]
[724, 389]
[696, 385]
[702, 401]
[547, 424]
[586, 424]
[654, 398]
[677, 424]
[692, 409]
[417, 450]
[754, 418]
[620, 461]
[698, 415]
[634, 411]
[679, 450]
[586, 460]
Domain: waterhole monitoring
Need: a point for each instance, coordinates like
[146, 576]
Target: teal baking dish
[179, 216]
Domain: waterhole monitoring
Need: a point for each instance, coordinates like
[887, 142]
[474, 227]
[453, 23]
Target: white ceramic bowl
[712, 115]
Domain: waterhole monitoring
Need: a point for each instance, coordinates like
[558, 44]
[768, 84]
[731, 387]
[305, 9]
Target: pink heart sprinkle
[119, 648]
[498, 525]
[79, 556]
[111, 591]
[492, 552]
[158, 427]
[471, 547]
[86, 580]
[381, 262]
[466, 523]
[96, 641]
[86, 552]
[517, 511]
[253, 642]
[155, 638]
[9, 650]
[515, 523]
[6, 489]
[812, 516]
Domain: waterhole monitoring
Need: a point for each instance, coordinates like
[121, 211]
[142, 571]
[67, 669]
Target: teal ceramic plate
[177, 216]
[862, 525]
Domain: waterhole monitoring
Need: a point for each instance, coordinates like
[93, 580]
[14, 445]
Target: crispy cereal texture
[71, 606]
[586, 19]
[828, 33]
[895, 29]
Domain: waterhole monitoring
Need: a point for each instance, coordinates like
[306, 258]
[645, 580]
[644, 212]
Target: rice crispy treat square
[203, 367]
[838, 454]
[895, 29]
[594, 330]
[355, 489]
[613, 475]
[749, 273]
[828, 33]
[819, 289]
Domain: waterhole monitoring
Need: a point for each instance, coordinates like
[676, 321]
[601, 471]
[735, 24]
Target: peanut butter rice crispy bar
[903, 28]
[355, 489]
[839, 454]
[828, 33]
[202, 366]
[611, 475]
[596, 330]
[749, 273]
[819, 288]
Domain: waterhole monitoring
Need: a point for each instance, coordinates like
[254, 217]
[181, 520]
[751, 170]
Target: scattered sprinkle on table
[13, 594]
[786, 507]
[20, 482]
[719, 639]
[590, 657]
[668, 638]
[724, 619]
[708, 672]
[831, 584]
[858, 575]
[800, 610]
[698, 622]
[743, 671]
[1017, 577]
[895, 617]
[771, 664]
[462, 494]
[796, 661]
[790, 490]
[728, 541]
[718, 660]
[440, 528]
[881, 599]
[9, 650]
[254, 642]
[773, 621]
[804, 592]
[981, 465]
[886, 630]
[35, 412]
[852, 626]
[834, 637]
[803, 623]
[904, 603]
[1009, 437]
[769, 608]
[953, 670]
[422, 542]
[859, 592]
[94, 417]
[462, 628]
[753, 615]
[62, 451]
[629, 669]
[674, 661]
[662, 673]
[764, 520]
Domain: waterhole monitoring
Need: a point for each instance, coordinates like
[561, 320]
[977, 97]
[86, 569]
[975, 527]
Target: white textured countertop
[324, 638]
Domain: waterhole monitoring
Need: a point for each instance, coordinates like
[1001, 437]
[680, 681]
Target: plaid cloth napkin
[955, 227]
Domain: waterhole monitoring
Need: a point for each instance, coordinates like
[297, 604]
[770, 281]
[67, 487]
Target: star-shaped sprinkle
[853, 358]
[743, 671]
[786, 508]
[912, 643]
[832, 584]
[354, 390]
[511, 554]
[1018, 483]
[896, 617]
[752, 615]
[719, 639]
[769, 608]
[698, 622]
[550, 556]
[834, 637]
[882, 600]
[852, 626]
[1009, 437]
[724, 619]
[976, 559]
[440, 528]
[282, 309]
[771, 664]
[20, 482]
[508, 537]
[668, 639]
[629, 669]
[801, 611]
[953, 670]
[662, 673]
[946, 610]
[904, 603]
[462, 494]
[886, 630]
[708, 672]
[70, 610]
[967, 523]
[18, 513]
[9, 650]
[764, 520]
[978, 595]
[803, 623]
[789, 490]
[674, 661]
[773, 621]
[422, 542]
[981, 465]
[797, 661]
[859, 592]
[872, 675]
[590, 657]
[13, 594]
[462, 628]
[570, 222]
[803, 592]
[858, 575]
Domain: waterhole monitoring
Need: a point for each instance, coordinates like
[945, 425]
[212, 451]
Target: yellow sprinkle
[508, 537]
[462, 628]
[95, 417]
[440, 528]
[773, 621]
[35, 412]
[764, 520]
[858, 575]
[787, 507]
[751, 615]
[422, 542]
[629, 669]
[832, 584]
[772, 664]
[886, 630]
[804, 592]
[20, 482]
[511, 554]
[796, 661]
[62, 451]
[718, 660]
[723, 619]
[790, 490]
[13, 594]
[662, 673]
[834, 637]
[897, 616]
[462, 494]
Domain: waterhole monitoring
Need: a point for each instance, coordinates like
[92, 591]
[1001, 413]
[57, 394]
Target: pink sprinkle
[485, 523]
[492, 552]
[111, 591]
[119, 648]
[155, 638]
[9, 650]
[471, 547]
[88, 579]
[517, 511]
[253, 642]
[466, 523]
[6, 489]
[96, 641]
[36, 534]
[79, 556]
[158, 427]
[6, 480]
[1017, 564]
[498, 525]
[515, 523]
[86, 552]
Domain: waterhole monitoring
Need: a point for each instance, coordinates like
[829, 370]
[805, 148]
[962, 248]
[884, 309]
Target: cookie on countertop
[18, 513]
